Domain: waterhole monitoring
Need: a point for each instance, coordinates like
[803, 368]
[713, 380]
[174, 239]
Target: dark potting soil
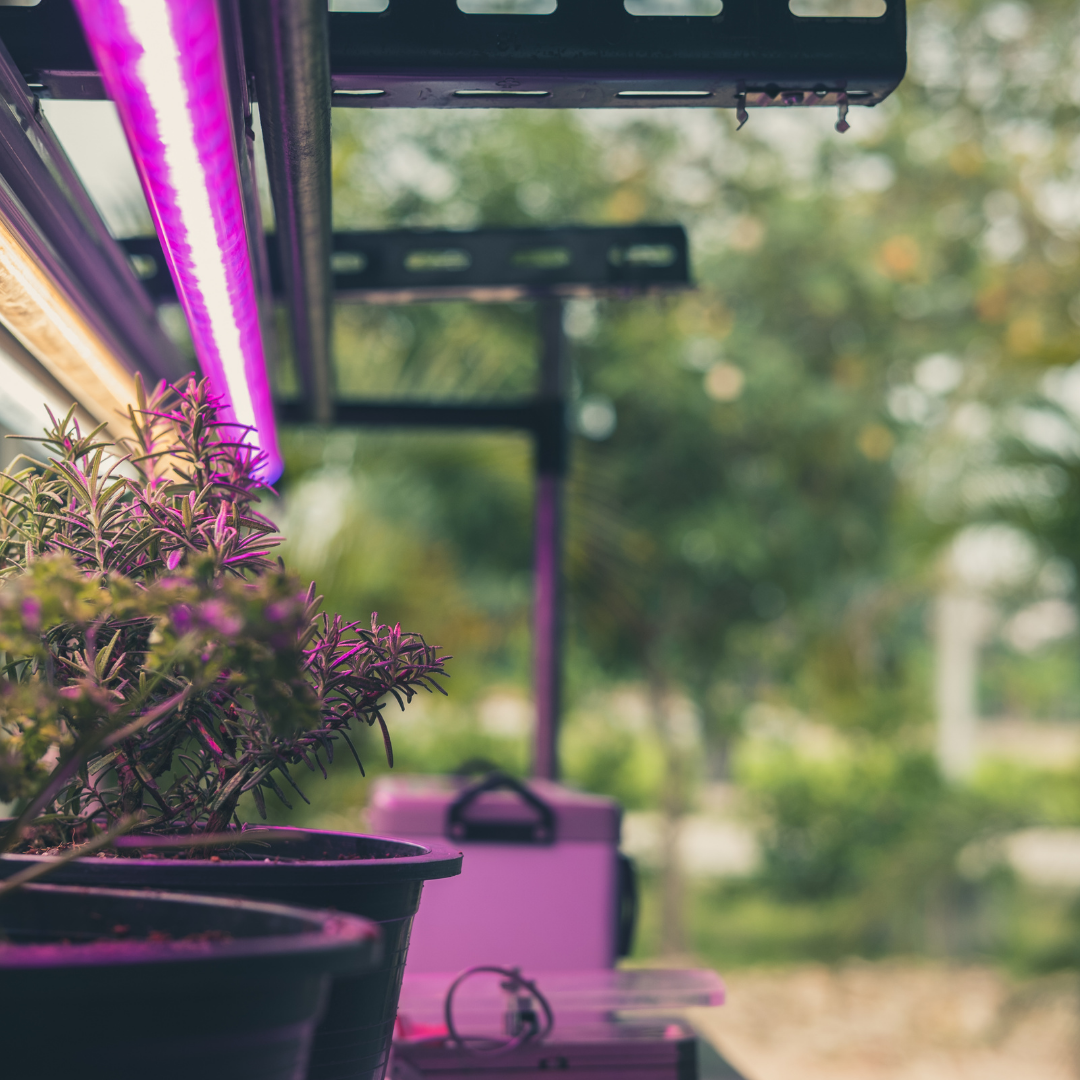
[220, 854]
[114, 934]
[254, 849]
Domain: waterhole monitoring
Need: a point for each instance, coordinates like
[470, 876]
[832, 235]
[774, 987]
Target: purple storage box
[609, 1025]
[541, 885]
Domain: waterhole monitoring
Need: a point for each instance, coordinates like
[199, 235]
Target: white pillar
[962, 621]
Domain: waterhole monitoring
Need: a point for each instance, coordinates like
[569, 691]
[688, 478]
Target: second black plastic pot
[376, 877]
[107, 983]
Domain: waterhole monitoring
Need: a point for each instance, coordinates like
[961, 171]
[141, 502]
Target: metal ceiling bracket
[430, 54]
[585, 54]
[286, 45]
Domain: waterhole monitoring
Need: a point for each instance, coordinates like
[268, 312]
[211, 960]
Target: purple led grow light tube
[162, 63]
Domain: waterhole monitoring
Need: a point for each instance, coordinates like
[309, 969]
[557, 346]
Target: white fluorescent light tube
[162, 62]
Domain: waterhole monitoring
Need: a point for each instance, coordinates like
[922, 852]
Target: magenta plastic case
[539, 885]
[607, 1025]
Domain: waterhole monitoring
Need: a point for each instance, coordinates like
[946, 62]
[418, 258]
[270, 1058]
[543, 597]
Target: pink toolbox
[640, 1051]
[542, 887]
[606, 1025]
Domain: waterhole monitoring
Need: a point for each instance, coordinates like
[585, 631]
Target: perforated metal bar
[430, 54]
[484, 265]
[586, 54]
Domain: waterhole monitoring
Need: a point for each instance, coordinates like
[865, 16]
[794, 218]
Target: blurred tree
[768, 466]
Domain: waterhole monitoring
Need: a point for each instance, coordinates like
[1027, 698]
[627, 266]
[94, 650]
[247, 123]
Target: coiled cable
[523, 1016]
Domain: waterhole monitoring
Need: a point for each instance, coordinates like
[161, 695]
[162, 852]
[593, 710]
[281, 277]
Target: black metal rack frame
[488, 265]
[298, 60]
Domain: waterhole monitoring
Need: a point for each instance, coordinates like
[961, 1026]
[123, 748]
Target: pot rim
[432, 860]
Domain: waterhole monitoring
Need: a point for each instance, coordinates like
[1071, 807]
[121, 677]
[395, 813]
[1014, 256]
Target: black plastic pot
[108, 983]
[378, 878]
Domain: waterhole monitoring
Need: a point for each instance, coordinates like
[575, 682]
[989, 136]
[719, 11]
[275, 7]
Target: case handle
[459, 827]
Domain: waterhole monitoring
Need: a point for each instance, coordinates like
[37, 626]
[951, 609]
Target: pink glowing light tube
[162, 63]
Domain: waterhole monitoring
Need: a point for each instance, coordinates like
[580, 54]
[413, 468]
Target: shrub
[158, 662]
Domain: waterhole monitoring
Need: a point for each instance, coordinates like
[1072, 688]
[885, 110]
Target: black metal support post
[244, 133]
[287, 45]
[552, 446]
[544, 417]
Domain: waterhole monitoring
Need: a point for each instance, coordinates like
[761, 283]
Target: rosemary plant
[158, 662]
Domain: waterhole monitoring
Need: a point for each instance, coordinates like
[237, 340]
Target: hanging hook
[842, 107]
[740, 109]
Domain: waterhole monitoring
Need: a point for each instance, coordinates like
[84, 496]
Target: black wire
[491, 1047]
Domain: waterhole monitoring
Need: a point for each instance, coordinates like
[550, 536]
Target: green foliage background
[779, 546]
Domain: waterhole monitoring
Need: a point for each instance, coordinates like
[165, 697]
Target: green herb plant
[157, 661]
